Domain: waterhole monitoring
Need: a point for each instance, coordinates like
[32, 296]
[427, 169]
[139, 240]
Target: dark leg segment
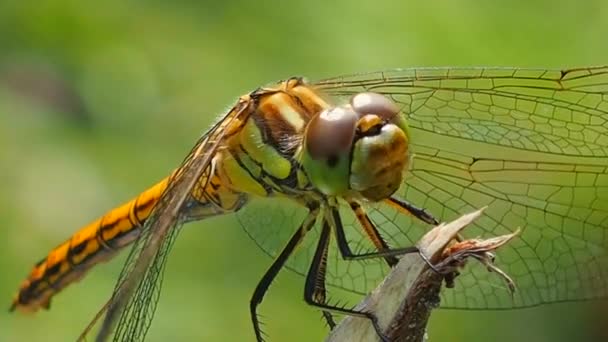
[410, 209]
[314, 290]
[372, 232]
[279, 262]
[346, 252]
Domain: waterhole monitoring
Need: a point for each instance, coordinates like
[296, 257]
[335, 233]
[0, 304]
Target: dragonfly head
[359, 149]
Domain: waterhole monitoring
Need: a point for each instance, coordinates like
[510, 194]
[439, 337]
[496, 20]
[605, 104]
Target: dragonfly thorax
[359, 149]
[294, 142]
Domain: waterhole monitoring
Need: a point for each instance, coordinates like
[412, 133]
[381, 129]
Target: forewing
[130, 310]
[531, 145]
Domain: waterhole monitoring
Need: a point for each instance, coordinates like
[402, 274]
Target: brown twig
[403, 302]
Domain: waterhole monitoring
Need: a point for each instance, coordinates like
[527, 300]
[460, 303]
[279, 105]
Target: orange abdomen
[96, 242]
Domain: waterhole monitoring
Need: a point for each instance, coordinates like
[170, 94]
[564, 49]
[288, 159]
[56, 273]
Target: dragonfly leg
[372, 232]
[421, 214]
[410, 209]
[314, 289]
[279, 262]
[344, 248]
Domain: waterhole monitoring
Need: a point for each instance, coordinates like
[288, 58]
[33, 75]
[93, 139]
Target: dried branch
[403, 302]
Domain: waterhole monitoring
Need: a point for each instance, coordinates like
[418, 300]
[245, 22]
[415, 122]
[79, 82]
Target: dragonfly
[372, 161]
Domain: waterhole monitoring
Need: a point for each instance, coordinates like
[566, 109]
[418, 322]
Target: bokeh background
[98, 100]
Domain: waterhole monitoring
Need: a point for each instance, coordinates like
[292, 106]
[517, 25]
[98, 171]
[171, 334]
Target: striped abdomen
[94, 243]
[101, 239]
[256, 158]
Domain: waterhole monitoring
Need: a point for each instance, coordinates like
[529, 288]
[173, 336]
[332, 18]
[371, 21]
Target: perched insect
[358, 158]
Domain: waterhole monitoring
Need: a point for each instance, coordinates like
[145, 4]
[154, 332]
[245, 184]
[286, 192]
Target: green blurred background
[98, 100]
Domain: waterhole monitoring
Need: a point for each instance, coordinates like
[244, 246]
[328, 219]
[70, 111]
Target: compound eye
[331, 133]
[374, 103]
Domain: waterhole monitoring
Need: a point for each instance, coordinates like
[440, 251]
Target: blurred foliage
[100, 99]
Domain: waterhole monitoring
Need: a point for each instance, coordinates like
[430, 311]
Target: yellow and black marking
[259, 153]
[263, 157]
[103, 238]
[96, 242]
[257, 156]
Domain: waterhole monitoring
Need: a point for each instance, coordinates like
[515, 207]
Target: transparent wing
[531, 145]
[130, 310]
[281, 217]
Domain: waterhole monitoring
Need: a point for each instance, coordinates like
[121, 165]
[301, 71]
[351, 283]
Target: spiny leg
[314, 290]
[333, 215]
[372, 232]
[410, 209]
[279, 262]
